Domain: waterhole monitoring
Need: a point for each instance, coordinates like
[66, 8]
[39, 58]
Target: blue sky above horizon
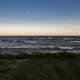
[39, 17]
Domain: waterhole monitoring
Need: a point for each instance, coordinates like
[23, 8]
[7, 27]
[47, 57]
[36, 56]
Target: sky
[39, 17]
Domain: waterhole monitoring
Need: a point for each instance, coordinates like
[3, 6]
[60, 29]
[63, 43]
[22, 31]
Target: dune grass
[60, 66]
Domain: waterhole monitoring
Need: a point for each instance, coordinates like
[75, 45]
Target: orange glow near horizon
[38, 29]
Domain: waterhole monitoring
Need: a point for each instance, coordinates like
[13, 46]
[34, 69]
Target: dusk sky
[40, 17]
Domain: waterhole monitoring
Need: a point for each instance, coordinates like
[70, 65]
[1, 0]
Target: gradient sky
[39, 17]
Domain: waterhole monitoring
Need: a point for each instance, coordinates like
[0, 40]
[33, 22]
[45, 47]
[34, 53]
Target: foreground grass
[60, 66]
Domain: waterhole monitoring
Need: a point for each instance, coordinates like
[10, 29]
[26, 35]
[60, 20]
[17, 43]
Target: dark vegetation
[38, 66]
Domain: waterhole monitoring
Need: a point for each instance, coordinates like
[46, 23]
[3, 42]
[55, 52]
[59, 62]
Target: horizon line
[36, 35]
